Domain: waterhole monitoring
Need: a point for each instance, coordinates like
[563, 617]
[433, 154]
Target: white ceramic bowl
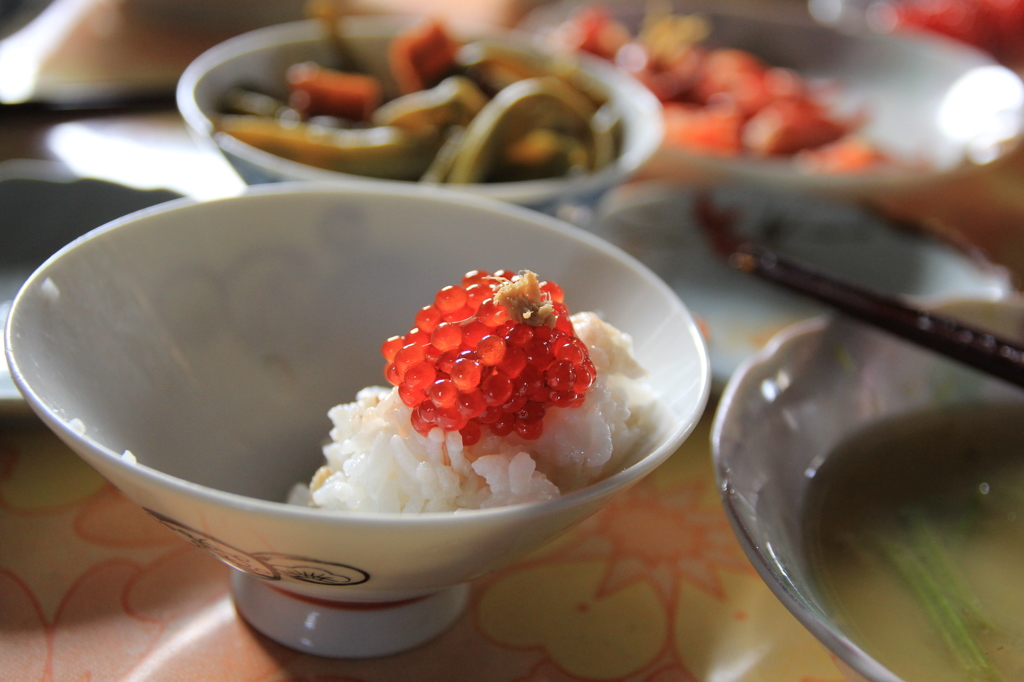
[927, 99]
[783, 414]
[259, 59]
[210, 339]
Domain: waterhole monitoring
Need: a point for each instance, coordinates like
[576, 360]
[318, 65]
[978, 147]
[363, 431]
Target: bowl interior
[208, 337]
[786, 411]
[259, 60]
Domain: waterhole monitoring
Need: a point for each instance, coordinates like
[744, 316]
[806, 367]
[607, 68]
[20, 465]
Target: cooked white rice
[377, 462]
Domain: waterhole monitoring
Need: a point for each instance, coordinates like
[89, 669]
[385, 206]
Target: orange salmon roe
[482, 357]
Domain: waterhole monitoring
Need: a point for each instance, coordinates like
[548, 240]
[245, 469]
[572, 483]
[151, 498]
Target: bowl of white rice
[221, 364]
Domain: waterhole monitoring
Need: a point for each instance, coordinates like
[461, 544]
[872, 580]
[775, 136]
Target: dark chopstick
[977, 348]
[100, 105]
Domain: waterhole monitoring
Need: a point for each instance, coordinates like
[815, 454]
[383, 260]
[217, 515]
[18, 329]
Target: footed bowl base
[345, 629]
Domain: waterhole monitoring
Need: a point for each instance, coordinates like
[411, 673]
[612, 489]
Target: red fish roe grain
[504, 425]
[420, 375]
[446, 336]
[531, 412]
[410, 395]
[427, 318]
[538, 353]
[520, 335]
[490, 415]
[515, 403]
[446, 360]
[513, 362]
[490, 349]
[475, 277]
[477, 294]
[553, 290]
[458, 315]
[417, 336]
[392, 346]
[561, 376]
[443, 393]
[569, 349]
[450, 299]
[563, 398]
[529, 431]
[408, 356]
[471, 404]
[496, 389]
[466, 374]
[431, 353]
[471, 433]
[473, 332]
[450, 418]
[491, 314]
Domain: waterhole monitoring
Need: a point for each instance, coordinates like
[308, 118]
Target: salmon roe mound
[495, 351]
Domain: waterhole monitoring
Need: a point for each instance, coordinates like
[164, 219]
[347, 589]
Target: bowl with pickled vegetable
[878, 489]
[404, 99]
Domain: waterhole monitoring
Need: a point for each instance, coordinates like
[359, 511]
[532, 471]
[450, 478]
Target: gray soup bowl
[787, 409]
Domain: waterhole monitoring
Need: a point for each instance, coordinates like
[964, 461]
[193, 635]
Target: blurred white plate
[740, 313]
[226, 16]
[927, 99]
[44, 206]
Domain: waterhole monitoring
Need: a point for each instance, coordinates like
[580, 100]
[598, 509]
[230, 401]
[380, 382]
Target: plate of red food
[994, 26]
[768, 94]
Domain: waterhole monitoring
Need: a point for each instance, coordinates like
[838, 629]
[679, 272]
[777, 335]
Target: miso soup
[915, 536]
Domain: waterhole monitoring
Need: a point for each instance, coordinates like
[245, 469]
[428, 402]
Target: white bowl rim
[620, 479]
[647, 137]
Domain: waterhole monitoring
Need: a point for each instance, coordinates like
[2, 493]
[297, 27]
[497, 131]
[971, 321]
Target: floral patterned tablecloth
[654, 588]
